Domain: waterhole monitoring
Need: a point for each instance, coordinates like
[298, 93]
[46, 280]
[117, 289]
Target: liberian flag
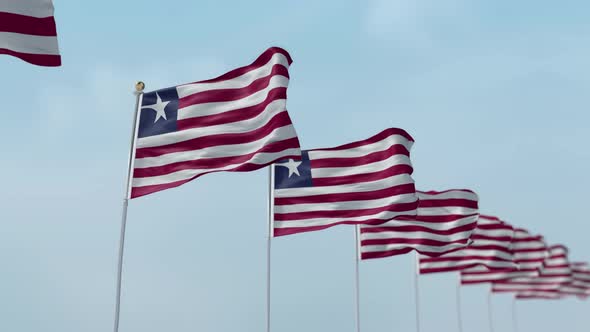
[444, 222]
[555, 273]
[580, 284]
[491, 248]
[27, 31]
[365, 182]
[236, 122]
[530, 251]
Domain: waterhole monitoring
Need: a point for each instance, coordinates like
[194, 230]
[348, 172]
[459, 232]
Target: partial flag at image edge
[28, 32]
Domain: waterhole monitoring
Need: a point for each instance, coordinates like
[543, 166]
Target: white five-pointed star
[292, 166]
[159, 107]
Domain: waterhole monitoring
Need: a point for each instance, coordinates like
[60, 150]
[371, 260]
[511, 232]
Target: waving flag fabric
[529, 253]
[444, 222]
[491, 248]
[581, 276]
[555, 273]
[365, 182]
[580, 284]
[236, 122]
[27, 31]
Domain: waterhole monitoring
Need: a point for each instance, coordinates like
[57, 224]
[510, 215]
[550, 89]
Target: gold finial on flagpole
[139, 86]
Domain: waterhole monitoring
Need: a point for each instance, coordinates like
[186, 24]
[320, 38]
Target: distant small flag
[581, 273]
[529, 251]
[237, 122]
[580, 284]
[491, 248]
[365, 182]
[581, 276]
[555, 273]
[28, 32]
[444, 223]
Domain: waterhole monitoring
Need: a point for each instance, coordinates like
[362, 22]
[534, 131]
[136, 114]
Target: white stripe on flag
[33, 8]
[29, 44]
[235, 83]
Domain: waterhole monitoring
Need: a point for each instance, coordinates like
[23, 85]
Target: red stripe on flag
[259, 62]
[411, 228]
[28, 25]
[449, 202]
[279, 120]
[490, 238]
[236, 115]
[482, 260]
[341, 214]
[408, 241]
[366, 177]
[460, 258]
[434, 192]
[294, 230]
[225, 95]
[387, 253]
[347, 197]
[396, 149]
[45, 60]
[440, 218]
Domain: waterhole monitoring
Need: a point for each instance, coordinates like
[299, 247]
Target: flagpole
[139, 86]
[357, 297]
[490, 312]
[514, 320]
[269, 240]
[416, 292]
[459, 318]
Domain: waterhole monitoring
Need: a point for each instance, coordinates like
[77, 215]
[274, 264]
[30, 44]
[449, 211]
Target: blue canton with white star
[286, 178]
[152, 122]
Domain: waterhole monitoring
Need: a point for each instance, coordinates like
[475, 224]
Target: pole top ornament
[139, 86]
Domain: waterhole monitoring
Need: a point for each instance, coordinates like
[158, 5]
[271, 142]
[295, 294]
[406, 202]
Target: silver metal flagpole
[490, 318]
[271, 181]
[416, 292]
[139, 86]
[514, 318]
[357, 295]
[459, 318]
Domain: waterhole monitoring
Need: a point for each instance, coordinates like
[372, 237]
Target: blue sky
[494, 93]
